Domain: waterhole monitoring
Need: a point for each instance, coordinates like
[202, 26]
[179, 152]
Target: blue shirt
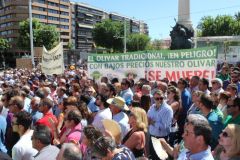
[203, 155]
[216, 123]
[3, 127]
[186, 100]
[127, 94]
[163, 119]
[36, 115]
[122, 120]
[91, 105]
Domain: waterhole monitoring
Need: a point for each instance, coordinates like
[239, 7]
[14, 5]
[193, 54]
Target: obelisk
[184, 13]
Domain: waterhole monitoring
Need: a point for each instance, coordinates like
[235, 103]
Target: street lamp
[31, 31]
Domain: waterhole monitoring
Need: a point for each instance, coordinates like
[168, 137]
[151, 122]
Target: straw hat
[118, 102]
[114, 128]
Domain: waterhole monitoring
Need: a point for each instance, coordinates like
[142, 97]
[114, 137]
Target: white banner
[155, 65]
[52, 61]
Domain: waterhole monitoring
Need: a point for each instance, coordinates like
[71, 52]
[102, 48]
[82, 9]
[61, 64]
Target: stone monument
[182, 32]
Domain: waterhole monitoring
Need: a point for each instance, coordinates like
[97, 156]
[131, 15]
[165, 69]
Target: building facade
[50, 12]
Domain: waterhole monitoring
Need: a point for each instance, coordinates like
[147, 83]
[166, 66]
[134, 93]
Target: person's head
[145, 102]
[158, 97]
[162, 86]
[110, 91]
[203, 84]
[71, 103]
[91, 134]
[196, 96]
[101, 101]
[46, 91]
[197, 133]
[206, 102]
[216, 84]
[137, 97]
[173, 93]
[21, 122]
[104, 80]
[138, 119]
[194, 81]
[235, 76]
[45, 105]
[72, 118]
[232, 89]
[225, 70]
[223, 97]
[16, 104]
[233, 106]
[104, 147]
[229, 139]
[118, 87]
[69, 151]
[146, 89]
[41, 137]
[89, 90]
[35, 101]
[182, 84]
[125, 84]
[117, 104]
[61, 91]
[102, 87]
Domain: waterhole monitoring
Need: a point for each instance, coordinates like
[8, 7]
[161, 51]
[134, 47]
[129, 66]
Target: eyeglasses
[234, 76]
[214, 82]
[225, 134]
[180, 82]
[158, 98]
[123, 83]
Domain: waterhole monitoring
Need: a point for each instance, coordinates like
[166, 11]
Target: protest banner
[155, 65]
[24, 63]
[52, 61]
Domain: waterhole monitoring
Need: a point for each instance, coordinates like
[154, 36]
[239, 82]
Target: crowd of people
[73, 117]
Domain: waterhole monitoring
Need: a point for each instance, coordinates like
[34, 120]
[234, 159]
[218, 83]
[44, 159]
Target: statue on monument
[182, 32]
[181, 37]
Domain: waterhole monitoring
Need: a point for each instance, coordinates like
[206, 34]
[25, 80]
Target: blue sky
[160, 14]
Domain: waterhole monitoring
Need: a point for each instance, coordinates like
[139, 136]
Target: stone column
[184, 13]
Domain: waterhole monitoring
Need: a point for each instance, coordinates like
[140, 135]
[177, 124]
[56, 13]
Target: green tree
[136, 42]
[46, 35]
[222, 25]
[109, 34]
[4, 44]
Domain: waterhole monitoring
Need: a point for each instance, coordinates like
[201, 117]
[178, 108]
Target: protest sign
[52, 61]
[155, 65]
[24, 63]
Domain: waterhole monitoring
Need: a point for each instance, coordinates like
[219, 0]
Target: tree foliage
[222, 25]
[4, 44]
[109, 34]
[136, 42]
[46, 35]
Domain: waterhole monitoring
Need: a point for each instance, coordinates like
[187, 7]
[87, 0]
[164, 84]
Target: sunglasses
[234, 76]
[225, 134]
[158, 98]
[214, 82]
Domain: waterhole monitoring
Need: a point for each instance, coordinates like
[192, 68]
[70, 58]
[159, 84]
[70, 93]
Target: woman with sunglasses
[229, 144]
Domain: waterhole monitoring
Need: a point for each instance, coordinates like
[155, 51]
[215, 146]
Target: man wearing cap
[217, 86]
[117, 105]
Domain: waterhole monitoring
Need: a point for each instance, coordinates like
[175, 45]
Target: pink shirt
[75, 134]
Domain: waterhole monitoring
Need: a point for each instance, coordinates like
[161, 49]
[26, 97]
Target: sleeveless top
[137, 152]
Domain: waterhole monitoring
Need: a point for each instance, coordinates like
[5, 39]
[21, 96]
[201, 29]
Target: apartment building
[50, 12]
[84, 17]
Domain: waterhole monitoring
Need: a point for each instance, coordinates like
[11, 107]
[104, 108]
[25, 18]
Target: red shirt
[45, 121]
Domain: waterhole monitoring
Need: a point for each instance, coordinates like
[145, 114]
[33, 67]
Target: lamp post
[31, 31]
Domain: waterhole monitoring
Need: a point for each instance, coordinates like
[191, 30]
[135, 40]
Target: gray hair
[147, 87]
[71, 152]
